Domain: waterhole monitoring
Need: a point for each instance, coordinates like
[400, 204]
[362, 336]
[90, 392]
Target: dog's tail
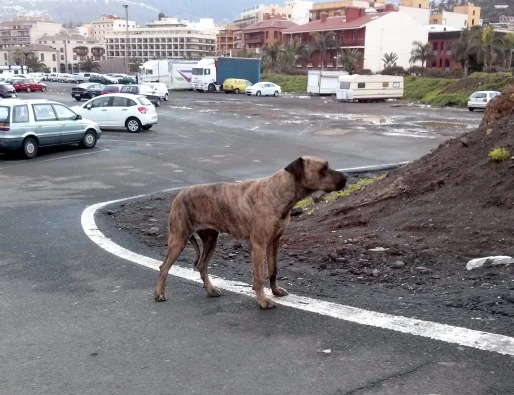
[193, 241]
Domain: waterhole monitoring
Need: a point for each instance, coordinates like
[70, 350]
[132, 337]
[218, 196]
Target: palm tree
[89, 64]
[323, 42]
[390, 59]
[34, 64]
[349, 59]
[134, 64]
[464, 49]
[271, 53]
[421, 53]
[509, 40]
[488, 46]
[18, 56]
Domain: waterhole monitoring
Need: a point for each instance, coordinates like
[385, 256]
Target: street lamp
[127, 46]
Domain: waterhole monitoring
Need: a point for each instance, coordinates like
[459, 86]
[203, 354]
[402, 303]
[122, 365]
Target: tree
[89, 64]
[271, 53]
[18, 56]
[323, 42]
[135, 64]
[488, 47]
[464, 49]
[161, 15]
[509, 40]
[34, 64]
[349, 59]
[421, 53]
[390, 59]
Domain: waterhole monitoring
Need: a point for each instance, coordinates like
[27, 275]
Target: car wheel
[275, 94]
[43, 88]
[236, 91]
[158, 103]
[80, 82]
[92, 95]
[133, 125]
[471, 109]
[89, 140]
[28, 89]
[211, 88]
[166, 97]
[30, 147]
[258, 93]
[78, 99]
[147, 127]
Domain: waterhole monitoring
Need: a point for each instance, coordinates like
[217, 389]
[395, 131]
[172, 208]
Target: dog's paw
[279, 291]
[160, 298]
[213, 292]
[267, 304]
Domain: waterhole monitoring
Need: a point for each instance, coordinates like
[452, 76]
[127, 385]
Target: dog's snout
[342, 181]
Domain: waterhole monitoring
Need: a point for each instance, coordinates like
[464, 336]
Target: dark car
[144, 90]
[86, 91]
[7, 90]
[111, 89]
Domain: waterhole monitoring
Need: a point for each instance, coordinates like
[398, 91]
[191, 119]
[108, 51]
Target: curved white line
[451, 334]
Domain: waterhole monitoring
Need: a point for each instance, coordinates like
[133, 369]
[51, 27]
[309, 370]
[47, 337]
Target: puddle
[297, 122]
[442, 125]
[332, 132]
[181, 108]
[373, 119]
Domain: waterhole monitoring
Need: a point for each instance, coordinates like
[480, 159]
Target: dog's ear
[296, 168]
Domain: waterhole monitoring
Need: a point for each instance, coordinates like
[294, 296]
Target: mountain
[223, 11]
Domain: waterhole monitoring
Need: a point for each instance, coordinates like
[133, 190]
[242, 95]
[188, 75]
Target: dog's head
[314, 174]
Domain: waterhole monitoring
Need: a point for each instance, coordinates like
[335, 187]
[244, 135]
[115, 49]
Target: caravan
[176, 74]
[323, 83]
[369, 87]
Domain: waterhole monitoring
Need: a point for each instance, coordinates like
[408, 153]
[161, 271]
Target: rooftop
[272, 23]
[334, 23]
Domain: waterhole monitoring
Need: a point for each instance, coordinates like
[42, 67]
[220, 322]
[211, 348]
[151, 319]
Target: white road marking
[142, 141]
[450, 334]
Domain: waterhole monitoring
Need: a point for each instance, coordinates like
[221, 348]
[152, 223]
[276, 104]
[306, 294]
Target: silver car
[26, 125]
[480, 99]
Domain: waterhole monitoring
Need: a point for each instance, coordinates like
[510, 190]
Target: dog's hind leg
[196, 247]
[209, 239]
[176, 242]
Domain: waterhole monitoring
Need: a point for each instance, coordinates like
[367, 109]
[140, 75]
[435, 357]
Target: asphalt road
[75, 319]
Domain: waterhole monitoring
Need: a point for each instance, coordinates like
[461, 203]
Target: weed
[499, 154]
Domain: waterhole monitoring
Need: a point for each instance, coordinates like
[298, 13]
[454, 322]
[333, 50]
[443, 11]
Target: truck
[176, 74]
[323, 83]
[209, 73]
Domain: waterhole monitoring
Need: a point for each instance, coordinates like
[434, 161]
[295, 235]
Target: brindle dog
[255, 210]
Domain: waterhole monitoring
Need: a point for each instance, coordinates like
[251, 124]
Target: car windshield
[479, 95]
[197, 71]
[4, 114]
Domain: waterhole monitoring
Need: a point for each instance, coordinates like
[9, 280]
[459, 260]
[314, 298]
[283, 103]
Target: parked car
[54, 77]
[30, 124]
[87, 90]
[114, 88]
[36, 77]
[236, 85]
[28, 85]
[103, 79]
[68, 78]
[120, 110]
[7, 90]
[144, 90]
[264, 89]
[479, 100]
[159, 89]
[83, 77]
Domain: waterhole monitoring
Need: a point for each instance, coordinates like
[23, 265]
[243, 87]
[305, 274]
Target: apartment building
[225, 40]
[256, 14]
[335, 8]
[265, 33]
[107, 24]
[71, 48]
[471, 11]
[25, 31]
[167, 38]
[464, 16]
[373, 34]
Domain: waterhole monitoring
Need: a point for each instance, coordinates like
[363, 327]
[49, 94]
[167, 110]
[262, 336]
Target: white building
[71, 48]
[454, 19]
[108, 24]
[298, 11]
[421, 15]
[24, 31]
[167, 38]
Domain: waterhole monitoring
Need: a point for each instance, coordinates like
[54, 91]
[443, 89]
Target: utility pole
[127, 45]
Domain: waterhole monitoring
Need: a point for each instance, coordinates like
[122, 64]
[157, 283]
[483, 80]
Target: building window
[440, 63]
[275, 34]
[42, 56]
[62, 50]
[385, 84]
[472, 22]
[435, 47]
[62, 57]
[53, 57]
[5, 56]
[442, 46]
[361, 85]
[419, 6]
[74, 57]
[473, 12]
[267, 34]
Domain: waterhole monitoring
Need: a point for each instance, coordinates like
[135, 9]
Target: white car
[479, 100]
[264, 89]
[120, 111]
[159, 89]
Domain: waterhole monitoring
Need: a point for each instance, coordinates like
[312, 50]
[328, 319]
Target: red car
[28, 85]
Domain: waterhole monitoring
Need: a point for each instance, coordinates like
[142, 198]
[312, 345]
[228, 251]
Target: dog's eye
[323, 170]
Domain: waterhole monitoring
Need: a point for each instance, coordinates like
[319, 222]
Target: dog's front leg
[272, 258]
[258, 254]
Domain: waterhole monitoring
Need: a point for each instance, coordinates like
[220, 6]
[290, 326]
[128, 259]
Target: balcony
[97, 51]
[352, 42]
[258, 39]
[81, 51]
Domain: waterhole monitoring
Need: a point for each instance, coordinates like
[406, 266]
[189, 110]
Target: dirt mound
[500, 107]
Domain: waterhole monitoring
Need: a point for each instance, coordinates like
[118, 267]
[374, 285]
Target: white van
[369, 87]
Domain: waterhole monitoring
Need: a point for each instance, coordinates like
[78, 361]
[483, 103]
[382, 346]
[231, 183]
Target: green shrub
[499, 154]
[288, 83]
[394, 70]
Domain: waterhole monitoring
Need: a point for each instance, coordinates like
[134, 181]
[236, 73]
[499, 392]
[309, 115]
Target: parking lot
[76, 318]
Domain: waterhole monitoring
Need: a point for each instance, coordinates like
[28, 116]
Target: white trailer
[176, 74]
[369, 87]
[323, 83]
